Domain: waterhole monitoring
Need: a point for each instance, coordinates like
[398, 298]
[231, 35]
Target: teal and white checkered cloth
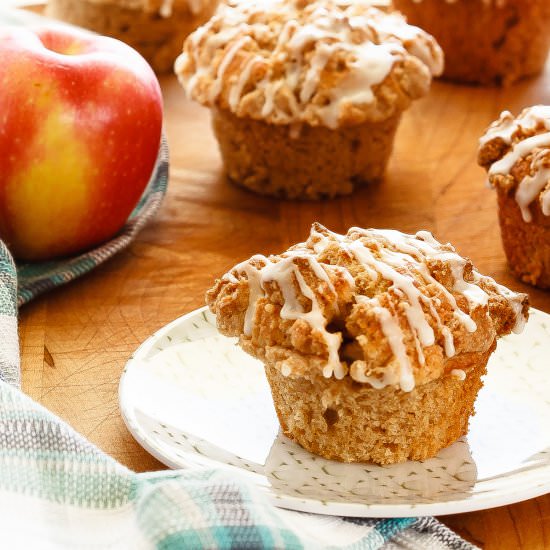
[58, 491]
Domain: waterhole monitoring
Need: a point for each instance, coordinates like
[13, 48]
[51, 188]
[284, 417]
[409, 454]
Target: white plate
[192, 397]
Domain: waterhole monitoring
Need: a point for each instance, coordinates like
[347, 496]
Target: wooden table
[76, 340]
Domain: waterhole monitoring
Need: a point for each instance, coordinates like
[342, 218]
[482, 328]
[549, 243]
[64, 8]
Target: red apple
[80, 127]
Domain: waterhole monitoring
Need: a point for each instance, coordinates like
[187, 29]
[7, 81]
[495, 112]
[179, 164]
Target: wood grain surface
[76, 340]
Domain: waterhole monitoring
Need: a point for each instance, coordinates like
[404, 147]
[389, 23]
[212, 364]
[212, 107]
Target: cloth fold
[9, 343]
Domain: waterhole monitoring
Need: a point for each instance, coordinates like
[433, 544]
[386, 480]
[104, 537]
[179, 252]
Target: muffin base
[318, 163]
[351, 422]
[485, 44]
[158, 39]
[527, 245]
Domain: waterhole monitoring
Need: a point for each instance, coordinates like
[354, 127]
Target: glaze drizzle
[528, 134]
[289, 62]
[402, 261]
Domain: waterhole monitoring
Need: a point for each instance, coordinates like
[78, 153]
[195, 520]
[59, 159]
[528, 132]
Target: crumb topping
[516, 154]
[380, 306]
[324, 62]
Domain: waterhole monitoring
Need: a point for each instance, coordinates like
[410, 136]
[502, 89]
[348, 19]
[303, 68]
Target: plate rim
[311, 505]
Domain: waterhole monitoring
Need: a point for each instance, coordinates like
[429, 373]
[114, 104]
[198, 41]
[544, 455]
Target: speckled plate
[192, 398]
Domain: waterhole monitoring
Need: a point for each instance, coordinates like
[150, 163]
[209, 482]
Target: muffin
[155, 28]
[306, 96]
[485, 41]
[516, 154]
[374, 342]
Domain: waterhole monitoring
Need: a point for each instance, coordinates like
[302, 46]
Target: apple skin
[80, 129]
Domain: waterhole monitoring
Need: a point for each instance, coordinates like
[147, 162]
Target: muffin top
[325, 62]
[380, 306]
[516, 154]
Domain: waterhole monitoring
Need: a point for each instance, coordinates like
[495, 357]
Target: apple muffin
[155, 28]
[374, 342]
[485, 41]
[516, 154]
[305, 95]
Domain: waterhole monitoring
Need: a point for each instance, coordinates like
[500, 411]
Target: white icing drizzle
[401, 260]
[394, 335]
[166, 7]
[254, 288]
[518, 151]
[506, 125]
[458, 373]
[410, 250]
[366, 40]
[244, 77]
[513, 301]
[222, 67]
[405, 285]
[535, 184]
[195, 6]
[448, 340]
[285, 273]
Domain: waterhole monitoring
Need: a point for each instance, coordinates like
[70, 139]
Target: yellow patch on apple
[55, 179]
